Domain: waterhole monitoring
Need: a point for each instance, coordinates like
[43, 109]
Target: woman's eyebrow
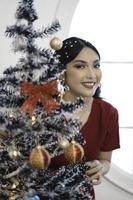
[96, 61]
[84, 62]
[81, 61]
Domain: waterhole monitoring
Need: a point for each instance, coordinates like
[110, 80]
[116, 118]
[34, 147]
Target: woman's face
[83, 75]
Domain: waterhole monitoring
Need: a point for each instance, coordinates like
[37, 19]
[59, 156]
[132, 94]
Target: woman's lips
[88, 85]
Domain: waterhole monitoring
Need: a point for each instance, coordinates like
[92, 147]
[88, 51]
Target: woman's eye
[97, 66]
[79, 66]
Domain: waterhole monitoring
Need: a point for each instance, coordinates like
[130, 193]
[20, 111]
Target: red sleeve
[111, 140]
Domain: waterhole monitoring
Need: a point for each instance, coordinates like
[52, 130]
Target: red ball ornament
[56, 43]
[74, 153]
[40, 158]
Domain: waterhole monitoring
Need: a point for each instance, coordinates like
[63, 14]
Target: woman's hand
[97, 168]
[94, 172]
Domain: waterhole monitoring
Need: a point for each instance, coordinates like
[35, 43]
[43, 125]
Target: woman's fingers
[94, 167]
[94, 172]
[96, 181]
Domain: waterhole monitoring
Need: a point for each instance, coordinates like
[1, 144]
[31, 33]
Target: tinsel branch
[16, 172]
[53, 28]
[26, 11]
[24, 30]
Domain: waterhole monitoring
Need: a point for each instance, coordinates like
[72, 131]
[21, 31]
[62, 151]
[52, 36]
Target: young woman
[99, 119]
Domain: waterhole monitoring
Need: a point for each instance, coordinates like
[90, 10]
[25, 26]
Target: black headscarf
[71, 48]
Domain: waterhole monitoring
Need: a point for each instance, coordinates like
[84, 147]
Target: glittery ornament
[61, 88]
[40, 158]
[63, 143]
[56, 43]
[12, 115]
[74, 153]
[13, 152]
[34, 122]
[14, 185]
[12, 194]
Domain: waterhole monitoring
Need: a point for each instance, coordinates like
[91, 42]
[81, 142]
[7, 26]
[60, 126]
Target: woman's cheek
[99, 75]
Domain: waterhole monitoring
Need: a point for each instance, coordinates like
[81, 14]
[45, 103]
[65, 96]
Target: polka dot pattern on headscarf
[71, 48]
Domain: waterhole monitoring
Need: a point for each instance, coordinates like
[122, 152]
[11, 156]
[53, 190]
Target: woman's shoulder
[104, 105]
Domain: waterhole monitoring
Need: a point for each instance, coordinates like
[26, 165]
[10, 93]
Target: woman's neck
[83, 113]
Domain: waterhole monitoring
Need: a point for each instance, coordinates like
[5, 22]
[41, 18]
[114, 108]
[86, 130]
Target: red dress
[101, 132]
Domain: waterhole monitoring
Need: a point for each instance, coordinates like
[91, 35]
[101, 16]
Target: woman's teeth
[88, 84]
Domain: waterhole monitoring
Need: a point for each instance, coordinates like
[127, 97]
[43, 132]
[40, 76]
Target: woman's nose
[90, 72]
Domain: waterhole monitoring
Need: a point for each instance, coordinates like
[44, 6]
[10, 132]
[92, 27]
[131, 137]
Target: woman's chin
[88, 94]
[73, 97]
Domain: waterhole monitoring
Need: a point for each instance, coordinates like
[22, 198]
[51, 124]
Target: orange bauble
[74, 153]
[40, 158]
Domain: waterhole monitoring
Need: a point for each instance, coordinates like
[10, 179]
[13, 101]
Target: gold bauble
[40, 158]
[74, 153]
[56, 43]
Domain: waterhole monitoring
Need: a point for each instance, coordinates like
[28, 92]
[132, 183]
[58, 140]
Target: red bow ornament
[39, 93]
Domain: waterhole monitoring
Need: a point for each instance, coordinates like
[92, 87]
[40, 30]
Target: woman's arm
[99, 167]
[105, 160]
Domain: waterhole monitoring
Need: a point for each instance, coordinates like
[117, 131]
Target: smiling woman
[113, 37]
[98, 119]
